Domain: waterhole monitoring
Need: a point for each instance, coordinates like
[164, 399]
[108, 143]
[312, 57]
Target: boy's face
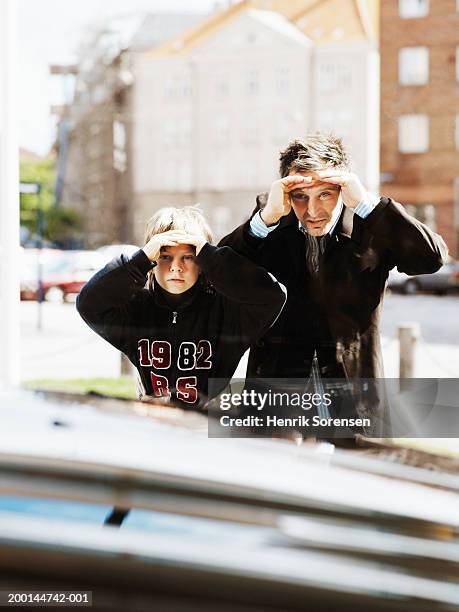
[176, 269]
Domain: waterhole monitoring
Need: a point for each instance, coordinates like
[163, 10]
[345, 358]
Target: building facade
[96, 180]
[211, 121]
[420, 110]
[215, 107]
[203, 116]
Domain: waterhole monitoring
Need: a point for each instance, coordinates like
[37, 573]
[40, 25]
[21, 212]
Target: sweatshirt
[177, 349]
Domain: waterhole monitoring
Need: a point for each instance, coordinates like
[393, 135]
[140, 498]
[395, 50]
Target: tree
[59, 224]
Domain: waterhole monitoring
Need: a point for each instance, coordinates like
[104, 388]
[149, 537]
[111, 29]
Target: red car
[63, 273]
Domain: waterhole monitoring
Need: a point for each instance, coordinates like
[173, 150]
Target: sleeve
[258, 228]
[366, 206]
[414, 247]
[104, 303]
[254, 296]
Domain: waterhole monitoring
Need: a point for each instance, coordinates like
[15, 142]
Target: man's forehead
[317, 184]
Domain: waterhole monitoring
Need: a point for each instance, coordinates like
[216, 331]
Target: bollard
[126, 367]
[408, 334]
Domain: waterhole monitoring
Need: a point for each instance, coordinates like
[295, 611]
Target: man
[332, 245]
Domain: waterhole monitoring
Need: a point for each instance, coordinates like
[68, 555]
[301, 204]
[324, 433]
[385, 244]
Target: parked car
[446, 280]
[147, 513]
[31, 259]
[63, 273]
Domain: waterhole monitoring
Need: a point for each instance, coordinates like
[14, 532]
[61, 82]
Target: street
[67, 348]
[438, 316]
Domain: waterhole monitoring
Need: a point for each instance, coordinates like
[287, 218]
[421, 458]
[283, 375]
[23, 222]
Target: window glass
[413, 66]
[413, 8]
[413, 133]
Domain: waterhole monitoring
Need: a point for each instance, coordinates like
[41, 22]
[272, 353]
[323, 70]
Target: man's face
[176, 269]
[314, 204]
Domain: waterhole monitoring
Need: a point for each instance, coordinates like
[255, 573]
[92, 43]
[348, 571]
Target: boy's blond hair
[188, 218]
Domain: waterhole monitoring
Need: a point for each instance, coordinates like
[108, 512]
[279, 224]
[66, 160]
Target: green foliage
[122, 387]
[42, 171]
[59, 224]
[62, 223]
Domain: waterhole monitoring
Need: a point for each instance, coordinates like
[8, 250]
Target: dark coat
[338, 313]
[177, 350]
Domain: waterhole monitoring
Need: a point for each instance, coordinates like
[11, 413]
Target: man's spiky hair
[315, 152]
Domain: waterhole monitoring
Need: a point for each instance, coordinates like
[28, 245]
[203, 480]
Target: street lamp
[36, 188]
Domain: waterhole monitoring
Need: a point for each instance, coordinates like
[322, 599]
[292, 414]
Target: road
[67, 348]
[438, 316]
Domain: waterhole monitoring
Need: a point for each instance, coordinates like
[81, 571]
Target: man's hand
[352, 190]
[278, 205]
[169, 238]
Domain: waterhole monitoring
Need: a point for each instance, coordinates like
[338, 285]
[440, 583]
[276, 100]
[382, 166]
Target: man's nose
[313, 208]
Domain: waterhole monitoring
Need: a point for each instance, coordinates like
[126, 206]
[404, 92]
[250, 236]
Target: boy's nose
[175, 266]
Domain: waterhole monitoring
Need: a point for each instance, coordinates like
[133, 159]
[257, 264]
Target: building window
[98, 93]
[282, 80]
[413, 8]
[413, 133]
[425, 213]
[413, 66]
[252, 83]
[222, 131]
[222, 85]
[333, 78]
[178, 87]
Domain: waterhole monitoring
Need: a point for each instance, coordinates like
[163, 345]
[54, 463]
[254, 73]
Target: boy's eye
[300, 197]
[165, 257]
[325, 194]
[188, 257]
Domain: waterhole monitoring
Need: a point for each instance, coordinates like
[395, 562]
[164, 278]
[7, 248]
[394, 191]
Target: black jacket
[338, 313]
[179, 349]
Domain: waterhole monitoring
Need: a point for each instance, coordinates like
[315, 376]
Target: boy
[203, 306]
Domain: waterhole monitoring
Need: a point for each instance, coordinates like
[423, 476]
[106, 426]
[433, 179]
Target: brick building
[419, 46]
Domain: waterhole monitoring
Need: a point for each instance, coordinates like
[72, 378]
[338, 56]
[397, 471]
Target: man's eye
[325, 194]
[188, 257]
[299, 196]
[165, 257]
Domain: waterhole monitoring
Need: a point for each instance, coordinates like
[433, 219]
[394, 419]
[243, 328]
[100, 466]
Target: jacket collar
[344, 225]
[176, 303]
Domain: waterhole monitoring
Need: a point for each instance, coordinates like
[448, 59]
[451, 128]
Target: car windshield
[143, 520]
[57, 267]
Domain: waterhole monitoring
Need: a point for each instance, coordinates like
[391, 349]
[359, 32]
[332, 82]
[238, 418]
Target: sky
[49, 31]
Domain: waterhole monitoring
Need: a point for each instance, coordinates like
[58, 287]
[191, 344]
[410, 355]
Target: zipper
[174, 370]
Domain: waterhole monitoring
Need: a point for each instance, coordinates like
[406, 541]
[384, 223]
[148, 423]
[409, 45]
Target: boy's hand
[197, 241]
[169, 238]
[279, 200]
